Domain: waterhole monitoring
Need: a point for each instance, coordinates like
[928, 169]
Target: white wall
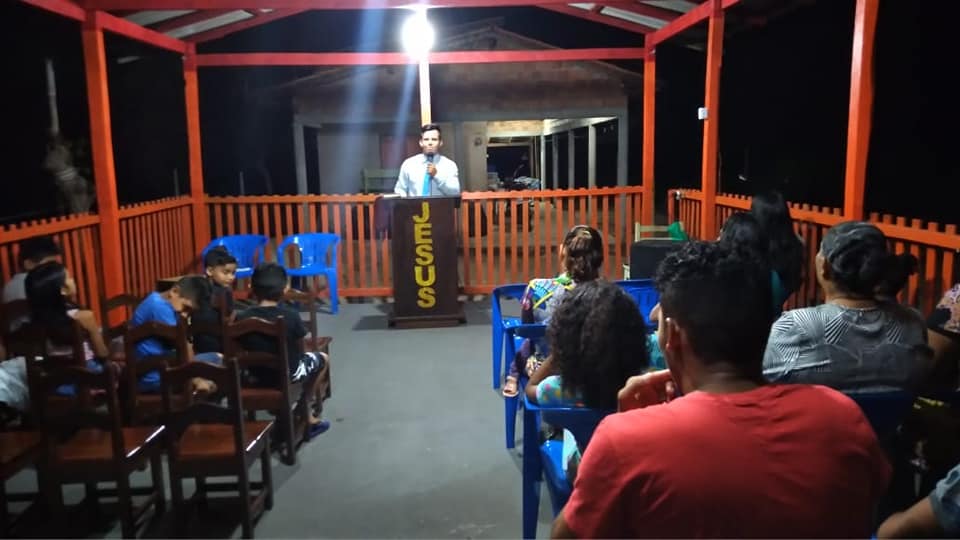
[473, 172]
[342, 156]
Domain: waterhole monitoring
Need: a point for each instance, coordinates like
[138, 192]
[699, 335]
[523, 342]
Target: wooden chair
[314, 342]
[128, 303]
[285, 400]
[144, 407]
[11, 312]
[81, 444]
[18, 450]
[216, 328]
[208, 439]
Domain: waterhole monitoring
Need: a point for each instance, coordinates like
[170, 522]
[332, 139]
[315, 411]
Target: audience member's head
[854, 261]
[220, 266]
[190, 293]
[49, 289]
[597, 340]
[582, 253]
[742, 231]
[38, 250]
[786, 251]
[269, 282]
[715, 311]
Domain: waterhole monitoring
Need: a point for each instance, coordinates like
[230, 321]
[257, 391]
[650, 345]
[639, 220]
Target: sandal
[510, 388]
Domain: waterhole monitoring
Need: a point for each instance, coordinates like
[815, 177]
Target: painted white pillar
[543, 161]
[319, 167]
[591, 156]
[623, 148]
[300, 156]
[555, 151]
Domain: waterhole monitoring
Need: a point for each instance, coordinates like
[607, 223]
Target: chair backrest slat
[180, 414]
[59, 416]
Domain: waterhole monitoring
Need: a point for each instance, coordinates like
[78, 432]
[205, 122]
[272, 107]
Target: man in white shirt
[428, 173]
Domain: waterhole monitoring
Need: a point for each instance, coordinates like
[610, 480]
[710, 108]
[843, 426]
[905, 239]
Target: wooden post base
[428, 321]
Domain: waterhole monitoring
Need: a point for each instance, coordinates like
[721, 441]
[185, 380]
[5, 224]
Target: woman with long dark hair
[743, 232]
[785, 250]
[50, 292]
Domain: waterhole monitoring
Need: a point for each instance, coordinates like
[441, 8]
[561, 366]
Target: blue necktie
[426, 179]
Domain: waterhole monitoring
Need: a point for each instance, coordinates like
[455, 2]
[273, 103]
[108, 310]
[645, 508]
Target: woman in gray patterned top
[855, 340]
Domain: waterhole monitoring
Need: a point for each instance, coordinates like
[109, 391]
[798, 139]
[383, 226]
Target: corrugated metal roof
[646, 15]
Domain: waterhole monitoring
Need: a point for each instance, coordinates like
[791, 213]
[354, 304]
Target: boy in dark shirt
[269, 283]
[221, 269]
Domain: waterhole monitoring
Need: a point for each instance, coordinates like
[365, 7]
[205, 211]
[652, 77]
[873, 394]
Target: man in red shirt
[734, 457]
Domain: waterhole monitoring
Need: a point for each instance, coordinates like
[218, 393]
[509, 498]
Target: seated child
[33, 252]
[581, 257]
[190, 293]
[221, 269]
[269, 285]
[50, 290]
[597, 341]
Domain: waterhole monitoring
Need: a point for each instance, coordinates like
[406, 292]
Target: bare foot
[510, 387]
[202, 387]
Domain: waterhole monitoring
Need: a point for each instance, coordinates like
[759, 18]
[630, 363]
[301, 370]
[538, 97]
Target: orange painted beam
[399, 58]
[201, 222]
[101, 142]
[708, 179]
[227, 29]
[588, 15]
[685, 21]
[134, 31]
[64, 8]
[649, 132]
[861, 108]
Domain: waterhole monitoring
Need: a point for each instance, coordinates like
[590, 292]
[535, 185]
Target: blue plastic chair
[318, 257]
[499, 324]
[515, 336]
[244, 247]
[643, 292]
[885, 410]
[546, 461]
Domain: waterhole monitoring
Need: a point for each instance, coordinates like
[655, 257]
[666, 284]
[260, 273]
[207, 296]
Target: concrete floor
[416, 449]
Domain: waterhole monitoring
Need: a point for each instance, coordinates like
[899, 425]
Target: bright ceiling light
[417, 34]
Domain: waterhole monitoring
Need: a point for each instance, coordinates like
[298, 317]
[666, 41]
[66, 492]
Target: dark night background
[783, 118]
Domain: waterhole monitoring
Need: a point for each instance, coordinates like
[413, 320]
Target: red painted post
[712, 122]
[861, 108]
[649, 130]
[101, 141]
[201, 224]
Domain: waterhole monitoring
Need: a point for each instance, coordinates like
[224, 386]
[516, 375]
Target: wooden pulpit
[425, 275]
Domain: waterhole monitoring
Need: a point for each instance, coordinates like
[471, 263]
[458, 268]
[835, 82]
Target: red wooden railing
[934, 245]
[157, 242]
[519, 232]
[79, 238]
[504, 237]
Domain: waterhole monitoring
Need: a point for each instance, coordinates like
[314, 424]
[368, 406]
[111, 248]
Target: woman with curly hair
[581, 257]
[597, 340]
